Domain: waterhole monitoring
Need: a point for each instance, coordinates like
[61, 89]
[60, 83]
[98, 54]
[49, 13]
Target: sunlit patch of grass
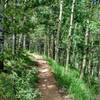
[70, 80]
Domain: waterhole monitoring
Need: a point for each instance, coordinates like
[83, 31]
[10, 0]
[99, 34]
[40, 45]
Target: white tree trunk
[85, 52]
[58, 32]
[24, 41]
[69, 34]
[14, 43]
[20, 41]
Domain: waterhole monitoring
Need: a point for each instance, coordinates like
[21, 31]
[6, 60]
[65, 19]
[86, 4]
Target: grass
[71, 82]
[20, 79]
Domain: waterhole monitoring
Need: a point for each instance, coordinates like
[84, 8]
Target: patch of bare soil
[47, 83]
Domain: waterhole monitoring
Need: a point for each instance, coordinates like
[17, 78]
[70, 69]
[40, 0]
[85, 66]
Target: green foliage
[38, 21]
[20, 79]
[26, 85]
[71, 81]
[6, 87]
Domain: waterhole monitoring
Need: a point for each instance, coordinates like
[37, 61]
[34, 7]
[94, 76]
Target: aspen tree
[69, 34]
[85, 50]
[58, 32]
[1, 35]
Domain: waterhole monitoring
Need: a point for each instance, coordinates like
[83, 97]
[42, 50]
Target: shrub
[26, 85]
[6, 87]
[20, 79]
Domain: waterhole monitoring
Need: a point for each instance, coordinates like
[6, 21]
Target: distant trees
[80, 52]
[17, 25]
[65, 30]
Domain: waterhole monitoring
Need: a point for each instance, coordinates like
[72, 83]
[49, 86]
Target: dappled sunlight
[37, 56]
[51, 86]
[52, 46]
[44, 70]
[47, 83]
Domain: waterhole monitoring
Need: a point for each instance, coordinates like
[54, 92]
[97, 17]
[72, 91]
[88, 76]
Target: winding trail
[47, 83]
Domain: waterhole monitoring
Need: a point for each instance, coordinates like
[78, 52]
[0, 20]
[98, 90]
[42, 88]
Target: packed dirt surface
[47, 83]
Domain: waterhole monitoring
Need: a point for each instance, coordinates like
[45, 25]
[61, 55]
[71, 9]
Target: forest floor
[47, 83]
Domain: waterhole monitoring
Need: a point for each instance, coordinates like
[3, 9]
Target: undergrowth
[71, 82]
[19, 81]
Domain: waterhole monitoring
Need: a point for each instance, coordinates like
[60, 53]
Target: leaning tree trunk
[69, 34]
[58, 32]
[1, 37]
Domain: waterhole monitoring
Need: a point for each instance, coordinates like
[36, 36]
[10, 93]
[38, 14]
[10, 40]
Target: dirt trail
[47, 83]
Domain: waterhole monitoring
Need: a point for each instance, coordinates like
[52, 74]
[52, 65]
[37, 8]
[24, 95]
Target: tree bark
[69, 34]
[1, 49]
[46, 45]
[24, 42]
[20, 41]
[85, 50]
[1, 37]
[98, 65]
[14, 44]
[58, 32]
[53, 46]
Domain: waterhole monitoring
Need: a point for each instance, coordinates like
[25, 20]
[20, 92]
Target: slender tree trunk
[89, 53]
[24, 41]
[1, 38]
[45, 44]
[98, 65]
[30, 46]
[58, 32]
[48, 45]
[85, 50]
[14, 43]
[20, 41]
[53, 46]
[69, 34]
[1, 48]
[74, 54]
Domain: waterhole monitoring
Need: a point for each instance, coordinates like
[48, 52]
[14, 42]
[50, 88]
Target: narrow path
[47, 83]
